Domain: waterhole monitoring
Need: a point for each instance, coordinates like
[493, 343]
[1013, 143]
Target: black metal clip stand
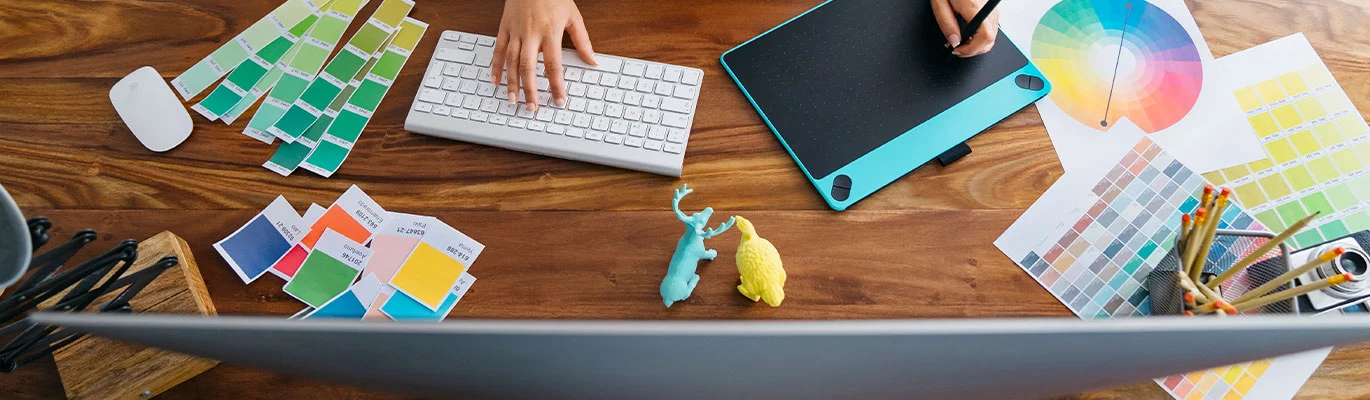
[83, 284]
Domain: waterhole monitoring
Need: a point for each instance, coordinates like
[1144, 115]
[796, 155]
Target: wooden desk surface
[565, 239]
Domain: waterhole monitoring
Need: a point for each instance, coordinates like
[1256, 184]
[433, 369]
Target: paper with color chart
[392, 244]
[204, 73]
[352, 303]
[256, 246]
[330, 269]
[1095, 235]
[1123, 69]
[251, 71]
[353, 215]
[346, 128]
[405, 308]
[288, 264]
[1316, 145]
[432, 269]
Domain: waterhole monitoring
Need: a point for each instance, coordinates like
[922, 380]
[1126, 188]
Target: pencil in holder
[1167, 296]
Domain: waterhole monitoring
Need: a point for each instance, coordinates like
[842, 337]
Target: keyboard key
[650, 101]
[485, 41]
[536, 126]
[665, 89]
[674, 148]
[632, 98]
[464, 57]
[578, 104]
[627, 83]
[461, 113]
[483, 59]
[596, 108]
[433, 81]
[613, 138]
[489, 105]
[498, 119]
[614, 111]
[608, 80]
[556, 129]
[651, 116]
[595, 92]
[432, 95]
[466, 46]
[545, 114]
[633, 68]
[632, 113]
[691, 78]
[675, 120]
[446, 54]
[676, 136]
[572, 74]
[436, 67]
[576, 89]
[600, 124]
[652, 145]
[466, 38]
[654, 71]
[452, 70]
[471, 102]
[645, 86]
[479, 116]
[685, 92]
[672, 74]
[657, 133]
[613, 95]
[637, 129]
[619, 127]
[545, 99]
[468, 87]
[594, 136]
[582, 121]
[483, 74]
[451, 84]
[633, 142]
[575, 132]
[453, 99]
[485, 89]
[451, 36]
[502, 92]
[518, 123]
[469, 72]
[563, 118]
[524, 112]
[590, 77]
[423, 107]
[508, 109]
[544, 84]
[677, 105]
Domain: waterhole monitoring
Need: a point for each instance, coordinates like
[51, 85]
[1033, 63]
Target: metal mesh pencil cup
[1167, 297]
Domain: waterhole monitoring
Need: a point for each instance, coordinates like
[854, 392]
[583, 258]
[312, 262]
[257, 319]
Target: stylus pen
[974, 25]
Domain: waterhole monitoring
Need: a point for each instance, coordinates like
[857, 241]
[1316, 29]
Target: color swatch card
[344, 130]
[251, 71]
[1122, 69]
[1317, 146]
[256, 246]
[436, 263]
[1095, 235]
[321, 92]
[354, 215]
[393, 243]
[290, 155]
[290, 262]
[296, 75]
[329, 270]
[351, 303]
[204, 73]
[404, 308]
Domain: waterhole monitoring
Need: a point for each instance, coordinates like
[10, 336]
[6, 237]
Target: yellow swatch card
[436, 263]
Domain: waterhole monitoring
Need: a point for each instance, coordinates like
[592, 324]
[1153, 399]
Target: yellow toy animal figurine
[763, 277]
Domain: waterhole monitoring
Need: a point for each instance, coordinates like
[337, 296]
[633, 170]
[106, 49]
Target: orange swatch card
[435, 264]
[354, 215]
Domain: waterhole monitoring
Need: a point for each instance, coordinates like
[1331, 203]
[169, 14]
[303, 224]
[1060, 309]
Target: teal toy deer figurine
[680, 277]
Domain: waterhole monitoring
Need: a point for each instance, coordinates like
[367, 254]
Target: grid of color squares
[1097, 267]
[1317, 148]
[1228, 383]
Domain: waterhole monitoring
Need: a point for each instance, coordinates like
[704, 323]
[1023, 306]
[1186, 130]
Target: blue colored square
[254, 248]
[402, 307]
[346, 305]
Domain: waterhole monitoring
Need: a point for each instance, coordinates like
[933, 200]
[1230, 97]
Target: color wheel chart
[1097, 255]
[1110, 59]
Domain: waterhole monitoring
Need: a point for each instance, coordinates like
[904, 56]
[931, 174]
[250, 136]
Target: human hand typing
[527, 28]
[981, 41]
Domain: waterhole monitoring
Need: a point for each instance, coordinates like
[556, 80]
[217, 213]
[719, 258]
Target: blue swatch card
[401, 307]
[352, 303]
[256, 246]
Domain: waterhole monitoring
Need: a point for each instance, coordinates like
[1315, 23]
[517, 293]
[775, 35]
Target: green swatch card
[307, 109]
[295, 76]
[329, 269]
[209, 69]
[249, 72]
[344, 130]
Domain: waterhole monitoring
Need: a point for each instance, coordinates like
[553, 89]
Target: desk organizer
[1167, 297]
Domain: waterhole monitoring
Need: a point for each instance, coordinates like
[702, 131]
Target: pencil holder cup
[1167, 296]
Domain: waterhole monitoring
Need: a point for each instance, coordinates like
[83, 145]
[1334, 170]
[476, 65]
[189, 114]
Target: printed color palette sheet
[1317, 145]
[1092, 240]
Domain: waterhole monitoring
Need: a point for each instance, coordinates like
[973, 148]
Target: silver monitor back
[925, 359]
[16, 246]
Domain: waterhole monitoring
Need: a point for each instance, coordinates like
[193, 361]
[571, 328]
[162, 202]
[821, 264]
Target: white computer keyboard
[624, 112]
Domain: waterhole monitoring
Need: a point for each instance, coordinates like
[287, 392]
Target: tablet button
[841, 188]
[1029, 82]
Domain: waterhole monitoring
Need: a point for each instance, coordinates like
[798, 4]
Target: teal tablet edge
[915, 147]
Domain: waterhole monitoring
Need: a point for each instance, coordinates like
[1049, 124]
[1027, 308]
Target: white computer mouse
[151, 110]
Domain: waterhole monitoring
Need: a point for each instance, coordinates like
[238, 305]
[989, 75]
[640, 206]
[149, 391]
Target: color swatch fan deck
[1127, 60]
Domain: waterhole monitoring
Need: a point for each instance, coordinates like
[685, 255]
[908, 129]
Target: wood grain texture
[565, 239]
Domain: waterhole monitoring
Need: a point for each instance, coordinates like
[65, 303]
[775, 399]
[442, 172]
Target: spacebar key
[606, 63]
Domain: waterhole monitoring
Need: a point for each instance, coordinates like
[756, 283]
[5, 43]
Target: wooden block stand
[99, 368]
